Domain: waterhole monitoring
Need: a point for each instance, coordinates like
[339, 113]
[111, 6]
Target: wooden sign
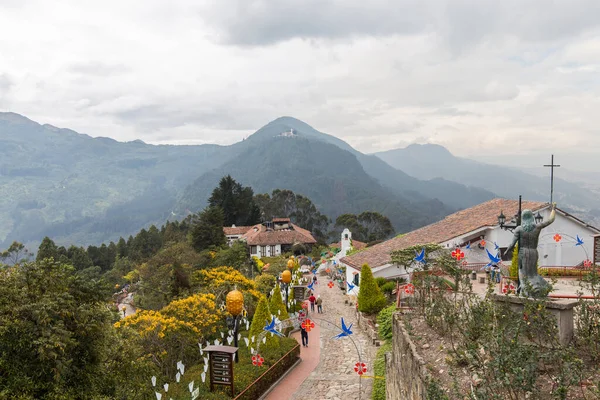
[221, 365]
[596, 249]
[299, 293]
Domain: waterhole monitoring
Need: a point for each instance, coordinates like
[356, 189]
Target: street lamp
[286, 277]
[235, 306]
[516, 221]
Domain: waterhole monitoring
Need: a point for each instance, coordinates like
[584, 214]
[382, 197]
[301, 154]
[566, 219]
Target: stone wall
[406, 375]
[368, 328]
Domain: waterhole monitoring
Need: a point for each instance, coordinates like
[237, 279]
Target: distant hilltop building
[288, 134]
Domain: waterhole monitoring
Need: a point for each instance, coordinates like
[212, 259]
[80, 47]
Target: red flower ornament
[557, 238]
[308, 325]
[257, 360]
[360, 368]
[330, 284]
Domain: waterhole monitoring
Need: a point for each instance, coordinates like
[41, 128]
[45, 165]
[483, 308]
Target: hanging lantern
[286, 276]
[235, 302]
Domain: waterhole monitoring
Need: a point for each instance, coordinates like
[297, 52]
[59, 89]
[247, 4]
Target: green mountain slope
[331, 177]
[82, 190]
[431, 161]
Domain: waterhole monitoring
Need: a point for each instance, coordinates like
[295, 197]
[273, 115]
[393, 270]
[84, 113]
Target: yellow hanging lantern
[235, 302]
[290, 264]
[286, 276]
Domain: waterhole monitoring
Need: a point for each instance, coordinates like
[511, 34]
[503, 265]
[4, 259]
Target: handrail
[266, 372]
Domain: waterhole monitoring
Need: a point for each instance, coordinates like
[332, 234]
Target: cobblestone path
[335, 378]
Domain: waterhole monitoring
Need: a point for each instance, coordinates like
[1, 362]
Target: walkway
[334, 378]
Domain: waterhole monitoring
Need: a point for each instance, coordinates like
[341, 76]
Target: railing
[270, 376]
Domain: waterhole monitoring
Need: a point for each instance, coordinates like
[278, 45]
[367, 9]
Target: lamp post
[286, 277]
[235, 305]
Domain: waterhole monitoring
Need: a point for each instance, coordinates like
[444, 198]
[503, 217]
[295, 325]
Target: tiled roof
[259, 235]
[281, 220]
[355, 243]
[236, 230]
[454, 225]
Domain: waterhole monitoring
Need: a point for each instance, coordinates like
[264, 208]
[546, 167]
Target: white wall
[267, 251]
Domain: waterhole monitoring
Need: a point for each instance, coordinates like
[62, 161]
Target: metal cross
[551, 165]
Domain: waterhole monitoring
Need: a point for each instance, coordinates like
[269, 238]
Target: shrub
[380, 281]
[388, 288]
[513, 271]
[379, 370]
[384, 320]
[370, 298]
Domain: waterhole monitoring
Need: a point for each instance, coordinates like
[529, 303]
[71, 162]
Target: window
[252, 249]
[263, 251]
[272, 251]
[356, 278]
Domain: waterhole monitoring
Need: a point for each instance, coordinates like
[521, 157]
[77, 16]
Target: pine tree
[514, 264]
[47, 249]
[370, 298]
[276, 304]
[262, 316]
[207, 230]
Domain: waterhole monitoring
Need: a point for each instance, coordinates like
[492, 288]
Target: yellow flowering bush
[221, 280]
[176, 329]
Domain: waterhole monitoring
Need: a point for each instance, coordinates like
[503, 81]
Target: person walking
[315, 279]
[312, 300]
[304, 335]
[319, 302]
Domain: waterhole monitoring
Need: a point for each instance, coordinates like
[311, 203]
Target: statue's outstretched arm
[550, 220]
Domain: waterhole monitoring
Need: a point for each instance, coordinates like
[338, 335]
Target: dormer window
[346, 236]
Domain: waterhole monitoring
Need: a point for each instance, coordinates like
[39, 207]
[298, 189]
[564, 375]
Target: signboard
[597, 249]
[221, 365]
[299, 293]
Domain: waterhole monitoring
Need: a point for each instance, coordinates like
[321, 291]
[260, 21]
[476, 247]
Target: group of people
[493, 273]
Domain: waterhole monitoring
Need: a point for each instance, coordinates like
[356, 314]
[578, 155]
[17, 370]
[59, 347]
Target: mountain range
[82, 190]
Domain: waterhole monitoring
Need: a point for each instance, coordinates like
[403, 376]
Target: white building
[476, 229]
[271, 238]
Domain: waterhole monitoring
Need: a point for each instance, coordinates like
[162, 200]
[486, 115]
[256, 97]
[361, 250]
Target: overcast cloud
[479, 77]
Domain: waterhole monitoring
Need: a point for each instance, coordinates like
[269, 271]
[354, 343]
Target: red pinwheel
[304, 305]
[409, 288]
[308, 325]
[360, 368]
[482, 242]
[557, 238]
[458, 254]
[465, 263]
[257, 360]
[330, 284]
[587, 263]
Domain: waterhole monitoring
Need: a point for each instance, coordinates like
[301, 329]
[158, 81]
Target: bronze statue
[530, 282]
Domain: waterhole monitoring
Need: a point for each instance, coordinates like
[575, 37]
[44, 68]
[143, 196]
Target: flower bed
[250, 381]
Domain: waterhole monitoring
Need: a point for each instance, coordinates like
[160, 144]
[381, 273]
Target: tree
[300, 210]
[236, 201]
[261, 317]
[235, 256]
[370, 298]
[79, 258]
[47, 249]
[276, 305]
[207, 229]
[514, 264]
[15, 254]
[122, 248]
[368, 226]
[56, 334]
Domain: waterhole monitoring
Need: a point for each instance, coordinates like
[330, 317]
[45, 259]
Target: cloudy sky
[480, 77]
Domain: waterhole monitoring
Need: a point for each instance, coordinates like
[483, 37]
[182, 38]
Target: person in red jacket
[312, 300]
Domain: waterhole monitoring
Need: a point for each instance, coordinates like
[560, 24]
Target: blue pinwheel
[270, 327]
[493, 259]
[496, 247]
[468, 246]
[345, 330]
[420, 257]
[579, 241]
[311, 286]
[350, 287]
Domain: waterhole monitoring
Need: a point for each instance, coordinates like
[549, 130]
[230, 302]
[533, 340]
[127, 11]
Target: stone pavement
[335, 378]
[310, 360]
